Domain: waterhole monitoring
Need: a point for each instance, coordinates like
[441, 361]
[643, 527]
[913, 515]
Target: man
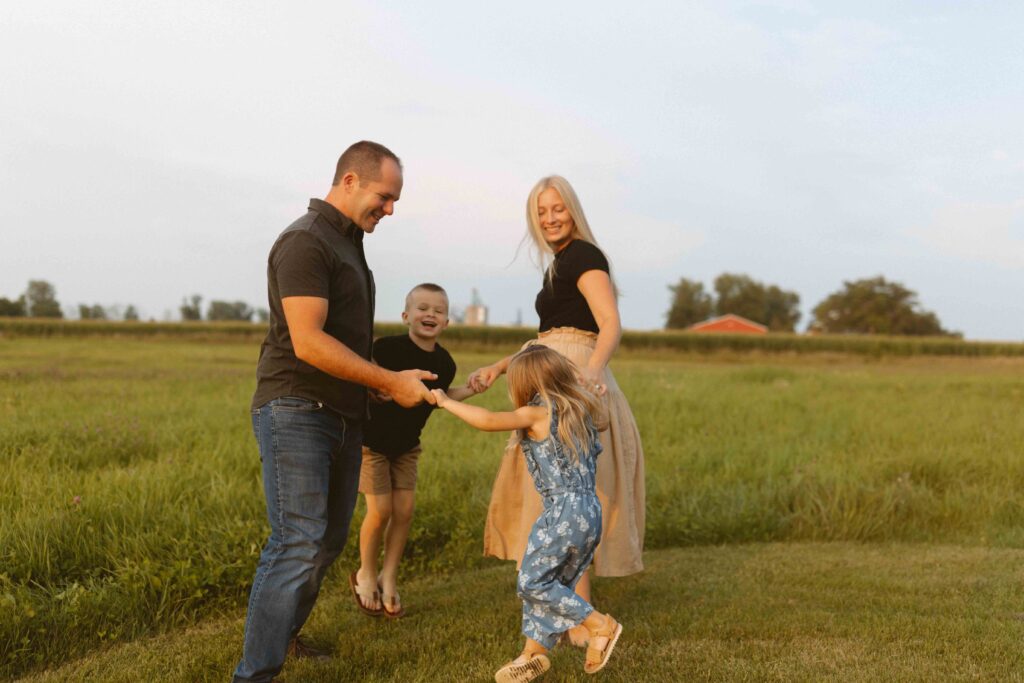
[311, 396]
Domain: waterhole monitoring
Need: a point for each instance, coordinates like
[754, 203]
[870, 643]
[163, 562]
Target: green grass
[761, 612]
[132, 504]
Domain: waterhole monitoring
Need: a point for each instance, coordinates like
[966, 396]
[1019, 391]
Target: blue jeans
[311, 459]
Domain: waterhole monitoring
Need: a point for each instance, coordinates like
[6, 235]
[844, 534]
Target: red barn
[729, 324]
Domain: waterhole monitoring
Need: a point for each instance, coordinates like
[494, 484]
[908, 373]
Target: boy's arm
[483, 419]
[461, 393]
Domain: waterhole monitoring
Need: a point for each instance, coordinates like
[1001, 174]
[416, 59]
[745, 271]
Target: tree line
[866, 306]
[39, 300]
[191, 310]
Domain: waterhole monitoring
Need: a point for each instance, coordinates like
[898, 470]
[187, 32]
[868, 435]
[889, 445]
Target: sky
[151, 151]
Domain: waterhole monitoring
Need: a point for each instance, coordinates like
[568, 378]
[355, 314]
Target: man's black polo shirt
[321, 255]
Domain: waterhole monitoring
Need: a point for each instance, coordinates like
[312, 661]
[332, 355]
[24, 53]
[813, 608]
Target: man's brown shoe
[300, 649]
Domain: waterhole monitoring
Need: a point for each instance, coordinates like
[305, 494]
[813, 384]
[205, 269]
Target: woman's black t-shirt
[560, 302]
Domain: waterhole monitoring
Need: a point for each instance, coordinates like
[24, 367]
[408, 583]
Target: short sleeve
[302, 265]
[583, 258]
[385, 353]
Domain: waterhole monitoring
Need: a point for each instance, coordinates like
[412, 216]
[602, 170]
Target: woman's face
[555, 222]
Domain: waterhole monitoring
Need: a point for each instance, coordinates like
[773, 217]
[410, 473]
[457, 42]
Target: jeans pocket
[296, 404]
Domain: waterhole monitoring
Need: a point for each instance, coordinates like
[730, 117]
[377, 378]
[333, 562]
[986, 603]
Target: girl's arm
[596, 288]
[531, 418]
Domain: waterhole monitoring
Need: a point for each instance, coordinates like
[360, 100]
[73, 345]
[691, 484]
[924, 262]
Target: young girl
[556, 420]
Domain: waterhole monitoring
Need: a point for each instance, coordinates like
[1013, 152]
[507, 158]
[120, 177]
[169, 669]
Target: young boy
[391, 448]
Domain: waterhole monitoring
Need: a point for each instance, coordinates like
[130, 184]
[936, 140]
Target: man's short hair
[426, 286]
[364, 158]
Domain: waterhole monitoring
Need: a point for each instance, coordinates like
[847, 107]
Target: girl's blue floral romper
[562, 542]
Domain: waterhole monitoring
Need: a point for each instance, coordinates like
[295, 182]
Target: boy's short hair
[426, 286]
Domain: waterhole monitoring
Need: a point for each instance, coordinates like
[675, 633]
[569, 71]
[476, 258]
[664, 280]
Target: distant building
[729, 324]
[476, 312]
[476, 315]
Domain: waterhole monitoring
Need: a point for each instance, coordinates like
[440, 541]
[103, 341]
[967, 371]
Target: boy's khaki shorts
[381, 474]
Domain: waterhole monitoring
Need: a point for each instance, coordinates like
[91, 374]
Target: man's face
[426, 313]
[369, 201]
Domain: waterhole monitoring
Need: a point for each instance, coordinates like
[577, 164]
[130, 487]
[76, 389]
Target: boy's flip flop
[391, 613]
[353, 582]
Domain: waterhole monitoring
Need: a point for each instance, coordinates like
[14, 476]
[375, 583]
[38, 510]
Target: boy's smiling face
[426, 314]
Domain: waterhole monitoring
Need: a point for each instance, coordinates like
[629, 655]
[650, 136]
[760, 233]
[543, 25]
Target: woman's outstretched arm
[482, 378]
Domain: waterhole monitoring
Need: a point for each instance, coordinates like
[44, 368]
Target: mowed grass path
[132, 501]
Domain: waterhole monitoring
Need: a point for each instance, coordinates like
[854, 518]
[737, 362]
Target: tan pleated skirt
[516, 505]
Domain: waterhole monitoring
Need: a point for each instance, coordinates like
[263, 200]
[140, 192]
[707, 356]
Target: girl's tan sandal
[597, 658]
[521, 670]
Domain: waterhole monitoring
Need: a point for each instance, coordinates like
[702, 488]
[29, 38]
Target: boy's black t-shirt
[392, 429]
[560, 303]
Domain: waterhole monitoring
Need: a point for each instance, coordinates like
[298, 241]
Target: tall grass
[131, 501]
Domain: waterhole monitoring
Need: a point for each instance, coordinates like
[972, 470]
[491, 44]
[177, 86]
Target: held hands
[480, 380]
[440, 398]
[407, 388]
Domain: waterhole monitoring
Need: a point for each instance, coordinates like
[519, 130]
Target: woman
[579, 318]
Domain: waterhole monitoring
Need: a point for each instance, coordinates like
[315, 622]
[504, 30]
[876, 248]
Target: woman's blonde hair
[581, 229]
[538, 370]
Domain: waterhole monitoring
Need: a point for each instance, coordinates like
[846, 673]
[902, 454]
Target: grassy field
[132, 507]
[751, 612]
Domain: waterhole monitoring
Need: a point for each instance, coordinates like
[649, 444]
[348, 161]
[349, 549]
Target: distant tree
[191, 310]
[690, 304]
[94, 312]
[771, 306]
[12, 309]
[739, 295]
[262, 314]
[875, 306]
[131, 313]
[41, 300]
[782, 309]
[224, 310]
